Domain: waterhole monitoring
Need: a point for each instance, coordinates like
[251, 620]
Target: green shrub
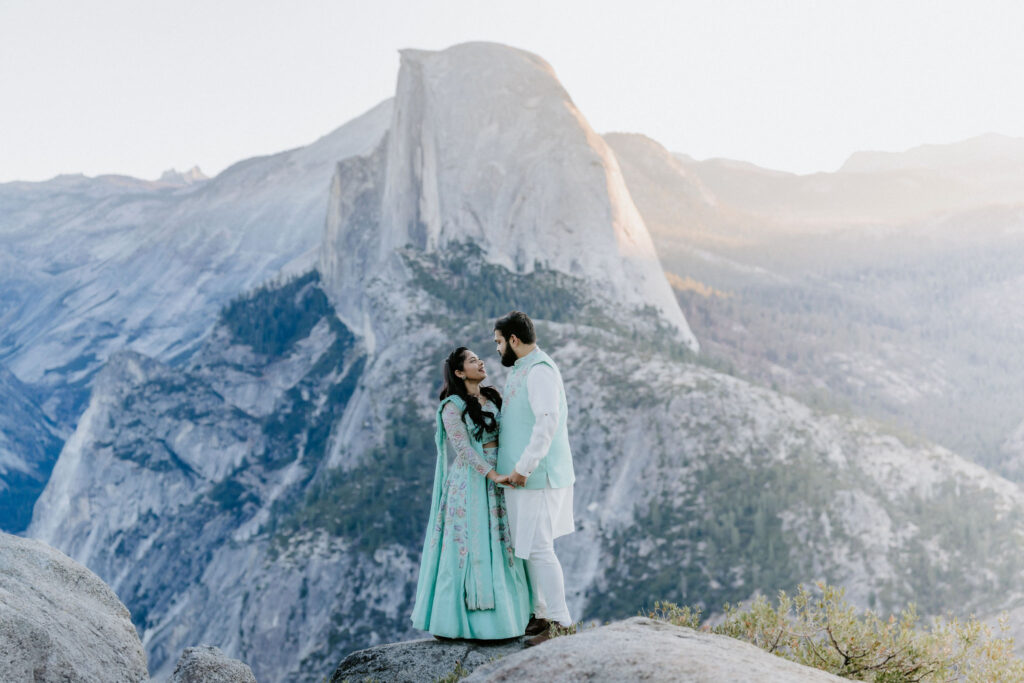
[715, 546]
[824, 631]
[457, 674]
[470, 286]
[273, 317]
[385, 499]
[231, 495]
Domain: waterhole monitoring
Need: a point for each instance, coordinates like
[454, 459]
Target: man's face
[508, 355]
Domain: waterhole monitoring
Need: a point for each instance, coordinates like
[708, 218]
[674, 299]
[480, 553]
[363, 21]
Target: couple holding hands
[502, 494]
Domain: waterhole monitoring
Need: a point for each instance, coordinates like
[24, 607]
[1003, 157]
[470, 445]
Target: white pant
[542, 566]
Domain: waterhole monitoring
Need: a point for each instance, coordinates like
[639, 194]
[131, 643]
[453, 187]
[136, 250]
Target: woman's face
[472, 367]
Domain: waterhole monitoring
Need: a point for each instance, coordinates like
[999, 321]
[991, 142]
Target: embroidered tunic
[470, 585]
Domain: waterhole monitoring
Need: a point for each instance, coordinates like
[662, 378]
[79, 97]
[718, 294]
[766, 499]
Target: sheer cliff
[90, 266]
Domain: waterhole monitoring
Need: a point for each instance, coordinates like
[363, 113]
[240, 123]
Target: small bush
[457, 674]
[826, 632]
[557, 630]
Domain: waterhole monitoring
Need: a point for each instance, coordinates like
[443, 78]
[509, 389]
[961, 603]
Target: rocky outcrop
[60, 622]
[422, 660]
[641, 649]
[207, 664]
[637, 649]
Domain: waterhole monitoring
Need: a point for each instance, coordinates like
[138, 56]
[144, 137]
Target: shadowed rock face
[643, 649]
[29, 445]
[422, 660]
[60, 622]
[207, 664]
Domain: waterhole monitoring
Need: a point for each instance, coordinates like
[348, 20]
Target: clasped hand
[514, 479]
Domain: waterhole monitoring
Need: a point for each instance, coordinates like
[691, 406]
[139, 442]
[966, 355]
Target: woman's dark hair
[483, 420]
[517, 323]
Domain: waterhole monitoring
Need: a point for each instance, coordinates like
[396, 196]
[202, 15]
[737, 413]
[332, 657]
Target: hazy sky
[139, 86]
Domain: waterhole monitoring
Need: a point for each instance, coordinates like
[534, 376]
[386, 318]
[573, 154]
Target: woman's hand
[515, 479]
[497, 478]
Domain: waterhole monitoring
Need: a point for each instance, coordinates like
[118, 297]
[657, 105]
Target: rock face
[207, 664]
[641, 649]
[421, 660]
[60, 622]
[29, 444]
[211, 449]
[95, 265]
[532, 186]
[91, 266]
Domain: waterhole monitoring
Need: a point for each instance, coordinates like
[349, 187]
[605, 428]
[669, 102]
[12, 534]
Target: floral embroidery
[438, 524]
[513, 383]
[459, 436]
[499, 523]
[452, 524]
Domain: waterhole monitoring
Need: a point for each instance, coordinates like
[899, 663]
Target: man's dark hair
[517, 323]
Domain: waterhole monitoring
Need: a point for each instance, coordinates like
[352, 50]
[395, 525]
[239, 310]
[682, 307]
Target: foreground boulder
[645, 649]
[634, 649]
[60, 622]
[415, 661]
[207, 664]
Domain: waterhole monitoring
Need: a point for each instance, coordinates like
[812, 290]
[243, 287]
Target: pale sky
[140, 86]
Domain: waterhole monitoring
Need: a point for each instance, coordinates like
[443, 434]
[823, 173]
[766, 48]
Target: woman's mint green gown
[471, 585]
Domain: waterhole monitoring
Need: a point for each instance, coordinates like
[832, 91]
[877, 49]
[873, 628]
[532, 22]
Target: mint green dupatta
[431, 542]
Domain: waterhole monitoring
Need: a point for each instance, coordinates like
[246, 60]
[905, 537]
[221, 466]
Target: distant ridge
[986, 149]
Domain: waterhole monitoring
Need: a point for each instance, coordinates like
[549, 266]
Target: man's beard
[509, 358]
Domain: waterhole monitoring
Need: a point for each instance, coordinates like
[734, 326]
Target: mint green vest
[555, 469]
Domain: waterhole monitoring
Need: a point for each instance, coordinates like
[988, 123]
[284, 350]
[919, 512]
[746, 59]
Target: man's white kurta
[528, 508]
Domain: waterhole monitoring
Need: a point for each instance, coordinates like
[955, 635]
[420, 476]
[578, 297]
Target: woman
[471, 584]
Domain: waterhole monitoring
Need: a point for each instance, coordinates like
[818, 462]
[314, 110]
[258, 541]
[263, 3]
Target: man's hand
[516, 479]
[499, 479]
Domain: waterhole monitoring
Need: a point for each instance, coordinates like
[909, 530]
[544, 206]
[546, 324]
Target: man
[533, 449]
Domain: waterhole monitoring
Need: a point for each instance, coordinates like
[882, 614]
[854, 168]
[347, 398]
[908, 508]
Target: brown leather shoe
[542, 638]
[537, 626]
